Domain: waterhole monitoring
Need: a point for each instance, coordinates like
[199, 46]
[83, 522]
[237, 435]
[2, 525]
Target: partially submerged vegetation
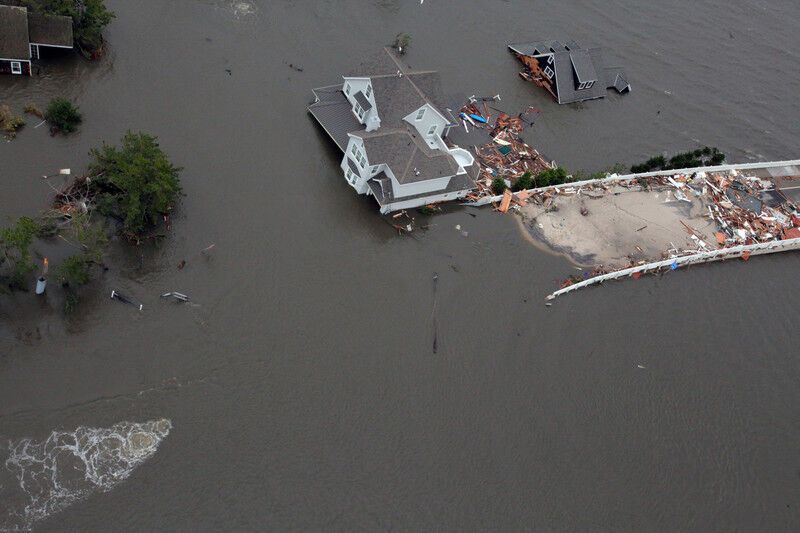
[89, 19]
[702, 157]
[9, 122]
[133, 186]
[401, 43]
[135, 183]
[62, 115]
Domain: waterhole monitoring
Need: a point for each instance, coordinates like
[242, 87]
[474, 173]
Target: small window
[550, 60]
[420, 113]
[374, 169]
[368, 91]
[432, 130]
[589, 84]
[16, 67]
[548, 72]
[582, 86]
[347, 89]
[354, 149]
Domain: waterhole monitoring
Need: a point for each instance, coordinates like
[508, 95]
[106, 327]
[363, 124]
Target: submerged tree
[135, 183]
[15, 256]
[63, 115]
[401, 43]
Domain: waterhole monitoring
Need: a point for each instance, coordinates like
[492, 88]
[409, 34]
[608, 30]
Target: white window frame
[16, 67]
[347, 89]
[550, 59]
[420, 114]
[432, 130]
[589, 84]
[359, 111]
[374, 169]
[549, 73]
[582, 86]
[368, 91]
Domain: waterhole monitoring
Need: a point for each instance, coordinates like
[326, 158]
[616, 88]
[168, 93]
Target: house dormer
[429, 123]
[583, 68]
[362, 99]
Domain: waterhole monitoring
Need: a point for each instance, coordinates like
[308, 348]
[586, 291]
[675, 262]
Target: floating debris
[124, 299]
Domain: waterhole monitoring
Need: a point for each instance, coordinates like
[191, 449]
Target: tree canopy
[136, 182]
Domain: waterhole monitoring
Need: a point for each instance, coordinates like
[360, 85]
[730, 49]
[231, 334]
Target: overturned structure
[567, 71]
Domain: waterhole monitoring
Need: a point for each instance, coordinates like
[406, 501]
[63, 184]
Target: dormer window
[368, 91]
[550, 60]
[420, 113]
[549, 73]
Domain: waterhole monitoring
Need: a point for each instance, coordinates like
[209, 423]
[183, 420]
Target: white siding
[429, 119]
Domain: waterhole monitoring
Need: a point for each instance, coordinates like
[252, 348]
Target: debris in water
[177, 295]
[124, 299]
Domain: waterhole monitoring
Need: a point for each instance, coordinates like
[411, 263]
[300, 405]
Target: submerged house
[24, 34]
[391, 125]
[570, 73]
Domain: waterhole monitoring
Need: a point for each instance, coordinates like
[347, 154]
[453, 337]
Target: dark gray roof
[616, 79]
[50, 29]
[395, 97]
[14, 33]
[362, 101]
[333, 112]
[408, 156]
[565, 81]
[574, 65]
[583, 66]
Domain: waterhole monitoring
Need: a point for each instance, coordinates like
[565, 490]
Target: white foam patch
[69, 466]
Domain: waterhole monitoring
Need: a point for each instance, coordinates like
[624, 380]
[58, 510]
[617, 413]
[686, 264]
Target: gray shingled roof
[395, 98]
[407, 155]
[583, 66]
[14, 33]
[50, 30]
[362, 101]
[333, 112]
[574, 65]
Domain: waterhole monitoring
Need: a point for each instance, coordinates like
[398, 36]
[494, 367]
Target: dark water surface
[302, 389]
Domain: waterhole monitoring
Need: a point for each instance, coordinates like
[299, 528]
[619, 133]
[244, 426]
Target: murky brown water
[302, 389]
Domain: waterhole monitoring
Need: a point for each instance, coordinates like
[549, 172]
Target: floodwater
[300, 389]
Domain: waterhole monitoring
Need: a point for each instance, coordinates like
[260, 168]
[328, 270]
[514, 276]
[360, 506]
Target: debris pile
[507, 156]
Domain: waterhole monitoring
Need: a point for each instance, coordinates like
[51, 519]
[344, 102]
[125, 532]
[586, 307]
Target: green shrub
[401, 42]
[696, 158]
[63, 115]
[499, 185]
[135, 182]
[524, 182]
[551, 176]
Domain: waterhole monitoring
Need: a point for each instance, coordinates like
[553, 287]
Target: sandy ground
[620, 225]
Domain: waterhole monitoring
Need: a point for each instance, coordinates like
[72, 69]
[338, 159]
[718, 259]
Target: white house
[393, 135]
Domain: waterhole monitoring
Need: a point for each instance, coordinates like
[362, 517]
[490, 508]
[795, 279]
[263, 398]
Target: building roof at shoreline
[50, 30]
[14, 42]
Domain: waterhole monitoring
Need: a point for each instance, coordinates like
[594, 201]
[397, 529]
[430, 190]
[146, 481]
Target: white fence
[694, 259]
[774, 168]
